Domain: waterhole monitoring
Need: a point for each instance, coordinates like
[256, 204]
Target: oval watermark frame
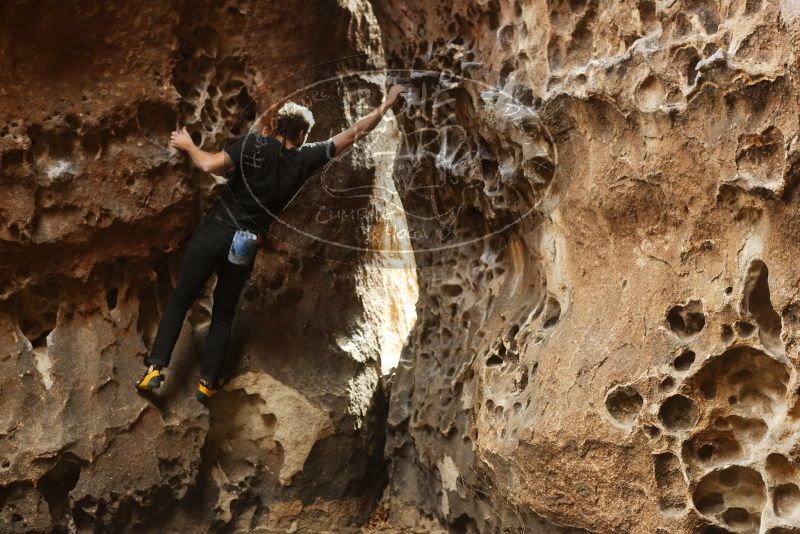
[511, 107]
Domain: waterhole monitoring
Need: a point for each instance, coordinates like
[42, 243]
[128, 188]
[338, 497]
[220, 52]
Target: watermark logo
[455, 162]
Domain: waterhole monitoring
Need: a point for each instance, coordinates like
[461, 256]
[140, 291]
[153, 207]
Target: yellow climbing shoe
[151, 379]
[204, 390]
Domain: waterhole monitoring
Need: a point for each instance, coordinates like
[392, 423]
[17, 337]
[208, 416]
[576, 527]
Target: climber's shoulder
[249, 150]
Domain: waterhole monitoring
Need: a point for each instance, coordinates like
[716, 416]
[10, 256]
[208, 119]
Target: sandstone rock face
[612, 346]
[94, 214]
[599, 207]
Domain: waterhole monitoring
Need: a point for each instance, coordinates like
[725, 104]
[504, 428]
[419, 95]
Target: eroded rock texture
[94, 214]
[614, 346]
[601, 198]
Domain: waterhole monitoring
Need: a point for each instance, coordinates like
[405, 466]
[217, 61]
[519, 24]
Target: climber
[264, 173]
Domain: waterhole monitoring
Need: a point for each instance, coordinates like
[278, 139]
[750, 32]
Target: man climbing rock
[265, 172]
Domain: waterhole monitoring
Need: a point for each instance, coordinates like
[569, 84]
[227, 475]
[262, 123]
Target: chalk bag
[243, 247]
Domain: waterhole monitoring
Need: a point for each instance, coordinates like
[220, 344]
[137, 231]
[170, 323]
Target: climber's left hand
[181, 139]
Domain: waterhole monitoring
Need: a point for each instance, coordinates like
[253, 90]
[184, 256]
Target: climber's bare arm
[213, 162]
[366, 123]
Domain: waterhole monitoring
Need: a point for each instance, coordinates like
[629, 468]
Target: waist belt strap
[230, 213]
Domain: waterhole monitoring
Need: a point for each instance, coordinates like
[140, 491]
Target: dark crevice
[56, 484]
[757, 303]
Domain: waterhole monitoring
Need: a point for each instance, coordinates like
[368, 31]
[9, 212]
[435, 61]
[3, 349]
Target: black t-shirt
[273, 174]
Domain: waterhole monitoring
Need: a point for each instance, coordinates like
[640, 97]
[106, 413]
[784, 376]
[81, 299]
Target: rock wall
[607, 329]
[94, 214]
[601, 201]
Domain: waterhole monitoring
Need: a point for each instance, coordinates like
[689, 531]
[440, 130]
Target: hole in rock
[691, 70]
[13, 157]
[751, 381]
[794, 412]
[760, 157]
[56, 484]
[494, 360]
[715, 447]
[780, 467]
[710, 503]
[465, 525]
[686, 320]
[650, 93]
[521, 383]
[38, 311]
[51, 144]
[652, 431]
[647, 14]
[758, 304]
[708, 15]
[493, 15]
[667, 383]
[451, 290]
[111, 298]
[555, 54]
[738, 518]
[726, 441]
[752, 6]
[729, 477]
[197, 138]
[705, 452]
[787, 501]
[744, 329]
[505, 35]
[726, 333]
[678, 412]
[734, 495]
[624, 404]
[709, 389]
[686, 60]
[552, 312]
[684, 361]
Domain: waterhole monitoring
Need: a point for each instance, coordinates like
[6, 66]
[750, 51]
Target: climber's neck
[286, 143]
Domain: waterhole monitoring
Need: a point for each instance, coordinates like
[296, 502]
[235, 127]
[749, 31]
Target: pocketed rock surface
[602, 200]
[95, 213]
[623, 358]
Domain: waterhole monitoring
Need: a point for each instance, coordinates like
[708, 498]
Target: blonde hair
[293, 119]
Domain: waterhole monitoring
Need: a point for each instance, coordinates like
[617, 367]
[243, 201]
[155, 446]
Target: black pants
[206, 253]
